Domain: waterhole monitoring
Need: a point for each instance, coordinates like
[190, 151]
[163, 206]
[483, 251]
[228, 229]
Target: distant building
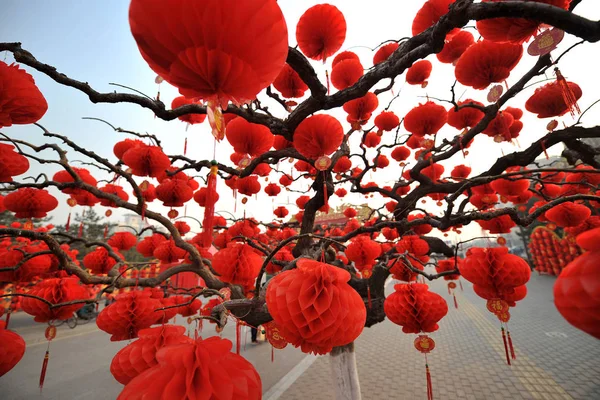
[134, 221]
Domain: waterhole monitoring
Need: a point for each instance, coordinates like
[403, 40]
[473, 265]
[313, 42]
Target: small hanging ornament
[545, 42]
[172, 214]
[209, 207]
[495, 93]
[425, 345]
[216, 120]
[567, 93]
[50, 334]
[72, 203]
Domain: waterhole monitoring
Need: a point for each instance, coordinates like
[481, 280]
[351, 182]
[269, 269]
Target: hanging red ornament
[209, 207]
[12, 348]
[21, 101]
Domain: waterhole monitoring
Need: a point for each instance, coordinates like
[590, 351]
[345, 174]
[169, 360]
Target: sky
[91, 41]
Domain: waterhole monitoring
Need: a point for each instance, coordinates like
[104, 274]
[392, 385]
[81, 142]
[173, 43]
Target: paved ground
[554, 360]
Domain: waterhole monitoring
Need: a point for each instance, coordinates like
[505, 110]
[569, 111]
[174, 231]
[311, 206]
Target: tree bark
[344, 373]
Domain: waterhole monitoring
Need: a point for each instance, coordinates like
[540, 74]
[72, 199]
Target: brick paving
[554, 360]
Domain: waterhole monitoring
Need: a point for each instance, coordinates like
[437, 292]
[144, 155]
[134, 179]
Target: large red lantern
[237, 263]
[56, 291]
[346, 73]
[12, 348]
[21, 102]
[321, 31]
[249, 138]
[204, 369]
[429, 14]
[11, 163]
[122, 240]
[289, 83]
[455, 47]
[314, 306]
[568, 214]
[425, 119]
[549, 101]
[222, 51]
[30, 203]
[318, 135]
[140, 355]
[577, 289]
[130, 313]
[146, 160]
[486, 62]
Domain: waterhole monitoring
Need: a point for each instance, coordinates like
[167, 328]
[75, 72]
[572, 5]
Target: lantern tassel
[200, 325]
[510, 345]
[80, 233]
[209, 208]
[185, 146]
[68, 224]
[455, 302]
[567, 93]
[238, 333]
[429, 386]
[105, 231]
[272, 353]
[325, 196]
[44, 368]
[505, 346]
[369, 295]
[460, 284]
[327, 78]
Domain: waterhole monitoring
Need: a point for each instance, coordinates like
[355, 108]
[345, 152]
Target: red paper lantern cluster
[315, 308]
[140, 355]
[204, 369]
[30, 203]
[550, 253]
[188, 44]
[577, 289]
[99, 261]
[130, 313]
[12, 348]
[21, 102]
[147, 245]
[56, 291]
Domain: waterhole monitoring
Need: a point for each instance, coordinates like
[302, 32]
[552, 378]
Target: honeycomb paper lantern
[11, 163]
[415, 308]
[495, 268]
[30, 203]
[237, 263]
[204, 369]
[57, 290]
[315, 307]
[321, 31]
[140, 355]
[21, 102]
[12, 348]
[130, 313]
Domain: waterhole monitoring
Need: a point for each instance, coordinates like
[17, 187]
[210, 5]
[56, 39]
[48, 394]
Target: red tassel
[369, 295]
[543, 143]
[200, 324]
[325, 196]
[97, 306]
[429, 386]
[238, 333]
[272, 353]
[44, 368]
[143, 211]
[449, 292]
[209, 208]
[505, 346]
[80, 233]
[510, 345]
[327, 78]
[460, 284]
[105, 231]
[7, 318]
[567, 94]
[68, 224]
[455, 302]
[185, 146]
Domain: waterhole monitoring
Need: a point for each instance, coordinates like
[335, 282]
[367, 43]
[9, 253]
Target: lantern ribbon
[429, 386]
[505, 346]
[567, 93]
[209, 208]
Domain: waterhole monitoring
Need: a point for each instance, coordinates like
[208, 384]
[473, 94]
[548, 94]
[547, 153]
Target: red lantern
[460, 172]
[115, 190]
[248, 185]
[318, 135]
[387, 121]
[191, 119]
[495, 268]
[321, 31]
[384, 52]
[425, 119]
[57, 290]
[249, 138]
[418, 73]
[466, 117]
[189, 45]
[147, 245]
[360, 109]
[174, 192]
[281, 212]
[168, 252]
[568, 214]
[121, 147]
[30, 203]
[12, 348]
[577, 289]
[122, 240]
[363, 252]
[146, 160]
[486, 62]
[98, 261]
[21, 102]
[548, 101]
[429, 14]
[315, 308]
[237, 263]
[415, 308]
[455, 47]
[140, 355]
[289, 83]
[217, 374]
[346, 73]
[130, 313]
[11, 162]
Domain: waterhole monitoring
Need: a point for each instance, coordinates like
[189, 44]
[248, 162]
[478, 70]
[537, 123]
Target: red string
[80, 233]
[543, 143]
[505, 346]
[105, 231]
[209, 208]
[44, 368]
[369, 294]
[272, 354]
[510, 345]
[460, 284]
[185, 146]
[455, 302]
[568, 95]
[68, 225]
[238, 332]
[327, 78]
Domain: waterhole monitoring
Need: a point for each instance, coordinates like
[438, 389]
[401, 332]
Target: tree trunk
[344, 373]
